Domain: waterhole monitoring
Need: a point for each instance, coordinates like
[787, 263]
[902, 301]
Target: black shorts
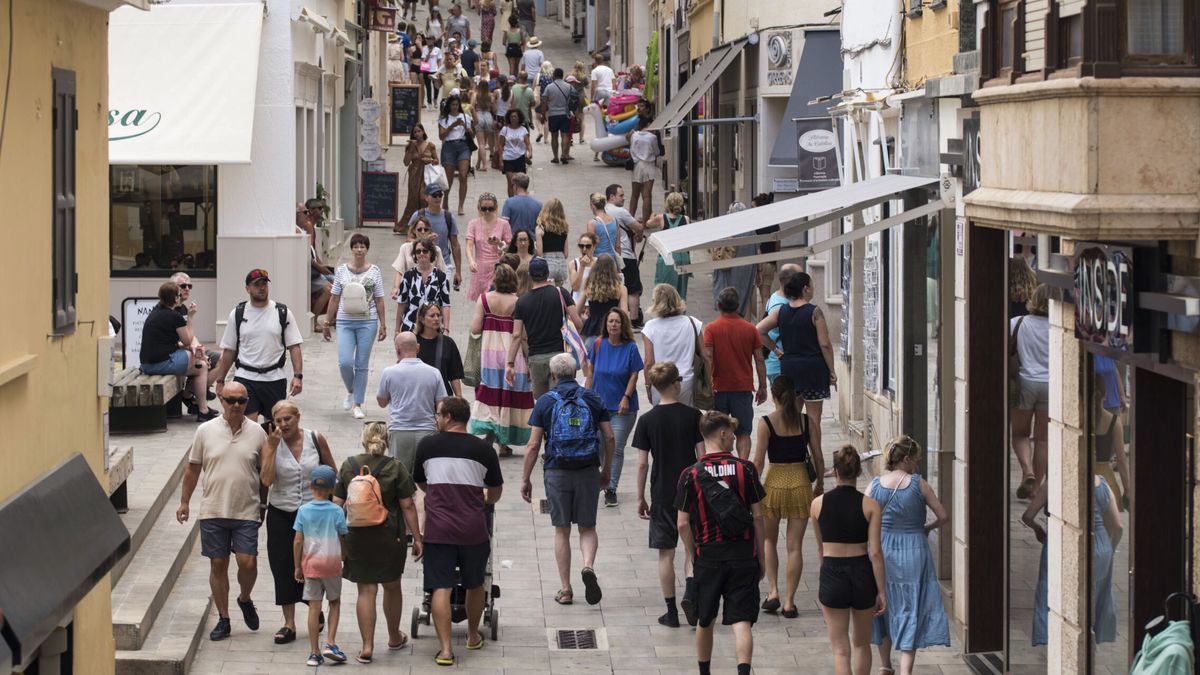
[515, 165]
[633, 277]
[263, 395]
[731, 583]
[450, 565]
[559, 124]
[664, 529]
[847, 583]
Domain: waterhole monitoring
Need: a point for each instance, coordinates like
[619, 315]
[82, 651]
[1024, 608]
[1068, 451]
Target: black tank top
[787, 449]
[842, 520]
[553, 243]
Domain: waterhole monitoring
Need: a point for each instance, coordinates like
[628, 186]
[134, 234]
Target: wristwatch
[298, 376]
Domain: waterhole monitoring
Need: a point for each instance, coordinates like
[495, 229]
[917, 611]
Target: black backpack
[731, 515]
[239, 315]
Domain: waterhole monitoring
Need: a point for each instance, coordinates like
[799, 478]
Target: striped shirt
[372, 279]
[738, 475]
[323, 524]
[454, 468]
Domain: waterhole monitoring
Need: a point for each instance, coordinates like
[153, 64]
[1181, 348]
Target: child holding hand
[320, 527]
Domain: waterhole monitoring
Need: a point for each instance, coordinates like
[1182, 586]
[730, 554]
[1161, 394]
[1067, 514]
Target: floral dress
[487, 22]
[417, 290]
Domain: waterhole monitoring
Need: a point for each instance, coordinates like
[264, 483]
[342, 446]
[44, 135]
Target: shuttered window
[65, 279]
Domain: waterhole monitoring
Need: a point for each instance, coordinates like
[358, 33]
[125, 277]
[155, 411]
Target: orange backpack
[364, 501]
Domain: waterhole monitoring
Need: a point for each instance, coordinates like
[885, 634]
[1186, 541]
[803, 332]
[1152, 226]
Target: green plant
[323, 196]
[651, 67]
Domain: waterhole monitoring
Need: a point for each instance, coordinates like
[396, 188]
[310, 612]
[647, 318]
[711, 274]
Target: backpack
[573, 101]
[730, 514]
[364, 499]
[239, 315]
[356, 297]
[574, 439]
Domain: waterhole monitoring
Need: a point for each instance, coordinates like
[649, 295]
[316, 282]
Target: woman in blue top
[915, 617]
[613, 374]
[604, 227]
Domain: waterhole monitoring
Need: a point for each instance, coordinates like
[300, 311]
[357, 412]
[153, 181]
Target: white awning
[793, 216]
[182, 82]
[706, 74]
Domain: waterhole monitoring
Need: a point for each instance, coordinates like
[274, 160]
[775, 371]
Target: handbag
[471, 141]
[435, 174]
[572, 342]
[702, 391]
[809, 467]
[1014, 367]
[472, 368]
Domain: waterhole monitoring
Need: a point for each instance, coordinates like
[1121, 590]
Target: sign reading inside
[1104, 295]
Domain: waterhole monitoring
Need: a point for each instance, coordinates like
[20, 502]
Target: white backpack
[356, 297]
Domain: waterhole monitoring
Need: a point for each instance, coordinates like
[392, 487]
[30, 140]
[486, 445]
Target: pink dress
[486, 253]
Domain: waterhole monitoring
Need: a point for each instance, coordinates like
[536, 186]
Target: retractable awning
[706, 74]
[818, 75]
[793, 216]
[181, 83]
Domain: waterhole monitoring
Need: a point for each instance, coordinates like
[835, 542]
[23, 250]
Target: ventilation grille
[577, 639]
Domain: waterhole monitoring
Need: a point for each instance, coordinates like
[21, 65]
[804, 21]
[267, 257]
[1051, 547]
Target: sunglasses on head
[235, 400]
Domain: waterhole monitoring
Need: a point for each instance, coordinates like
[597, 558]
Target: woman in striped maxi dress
[500, 412]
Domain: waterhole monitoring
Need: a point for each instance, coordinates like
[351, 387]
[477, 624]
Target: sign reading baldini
[1103, 295]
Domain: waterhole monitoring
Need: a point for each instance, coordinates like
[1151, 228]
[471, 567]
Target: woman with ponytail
[375, 555]
[784, 438]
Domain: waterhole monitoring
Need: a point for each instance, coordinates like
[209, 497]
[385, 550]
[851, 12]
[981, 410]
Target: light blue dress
[915, 617]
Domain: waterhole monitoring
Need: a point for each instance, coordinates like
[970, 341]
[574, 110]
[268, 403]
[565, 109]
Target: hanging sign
[816, 154]
[382, 19]
[1104, 295]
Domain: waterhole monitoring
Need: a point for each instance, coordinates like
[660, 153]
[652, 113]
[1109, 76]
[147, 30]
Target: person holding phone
[487, 238]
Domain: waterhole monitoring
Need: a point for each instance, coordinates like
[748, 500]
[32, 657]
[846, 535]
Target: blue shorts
[454, 152]
[220, 536]
[559, 124]
[739, 405]
[176, 364]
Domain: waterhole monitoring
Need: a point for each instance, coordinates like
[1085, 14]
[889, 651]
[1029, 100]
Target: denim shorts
[176, 364]
[454, 152]
[220, 536]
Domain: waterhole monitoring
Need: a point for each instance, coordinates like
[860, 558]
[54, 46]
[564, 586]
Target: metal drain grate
[544, 505]
[577, 639]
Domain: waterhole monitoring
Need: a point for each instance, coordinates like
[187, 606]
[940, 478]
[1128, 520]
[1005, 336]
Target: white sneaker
[349, 402]
[358, 412]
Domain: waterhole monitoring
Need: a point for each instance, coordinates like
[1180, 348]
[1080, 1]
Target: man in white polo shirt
[410, 390]
[258, 338]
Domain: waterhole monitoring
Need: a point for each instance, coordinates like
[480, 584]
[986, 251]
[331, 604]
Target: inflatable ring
[623, 116]
[624, 126]
[608, 143]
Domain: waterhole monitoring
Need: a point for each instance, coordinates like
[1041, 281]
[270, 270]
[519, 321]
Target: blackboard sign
[406, 108]
[380, 196]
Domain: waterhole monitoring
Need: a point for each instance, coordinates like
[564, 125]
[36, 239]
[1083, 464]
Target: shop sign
[816, 155]
[126, 124]
[134, 312]
[382, 19]
[1104, 295]
[779, 59]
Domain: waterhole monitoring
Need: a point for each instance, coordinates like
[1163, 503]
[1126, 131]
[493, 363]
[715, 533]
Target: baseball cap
[539, 269]
[472, 43]
[256, 274]
[434, 189]
[323, 477]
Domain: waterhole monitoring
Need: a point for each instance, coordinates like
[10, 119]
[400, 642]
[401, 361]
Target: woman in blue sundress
[915, 617]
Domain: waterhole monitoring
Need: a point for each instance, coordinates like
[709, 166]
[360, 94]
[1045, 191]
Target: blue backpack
[574, 438]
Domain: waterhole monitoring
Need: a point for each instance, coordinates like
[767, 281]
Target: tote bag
[435, 174]
[472, 369]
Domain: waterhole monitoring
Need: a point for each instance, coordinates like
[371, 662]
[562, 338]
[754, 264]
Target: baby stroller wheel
[494, 620]
[416, 622]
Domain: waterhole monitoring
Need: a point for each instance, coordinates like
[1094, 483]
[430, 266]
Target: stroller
[458, 595]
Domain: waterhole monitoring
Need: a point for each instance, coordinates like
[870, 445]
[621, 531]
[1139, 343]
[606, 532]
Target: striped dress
[500, 409]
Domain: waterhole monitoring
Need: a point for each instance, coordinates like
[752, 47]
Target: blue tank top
[903, 507]
[606, 238]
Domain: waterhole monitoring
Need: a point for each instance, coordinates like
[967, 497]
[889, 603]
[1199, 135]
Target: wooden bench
[139, 402]
[120, 465]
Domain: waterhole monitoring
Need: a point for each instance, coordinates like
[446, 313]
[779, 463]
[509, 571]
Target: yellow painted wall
[53, 410]
[700, 33]
[930, 43]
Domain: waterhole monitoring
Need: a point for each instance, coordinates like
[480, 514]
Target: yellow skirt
[789, 493]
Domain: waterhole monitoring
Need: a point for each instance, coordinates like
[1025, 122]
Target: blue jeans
[622, 426]
[355, 338]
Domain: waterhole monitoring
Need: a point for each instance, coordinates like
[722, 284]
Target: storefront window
[163, 218]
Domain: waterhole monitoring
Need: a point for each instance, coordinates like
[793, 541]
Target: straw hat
[534, 42]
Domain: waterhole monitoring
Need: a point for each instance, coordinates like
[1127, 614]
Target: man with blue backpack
[579, 452]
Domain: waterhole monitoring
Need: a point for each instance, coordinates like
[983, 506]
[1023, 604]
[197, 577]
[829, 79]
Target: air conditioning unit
[948, 188]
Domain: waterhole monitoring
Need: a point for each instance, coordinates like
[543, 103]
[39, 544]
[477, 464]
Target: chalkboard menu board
[406, 108]
[380, 196]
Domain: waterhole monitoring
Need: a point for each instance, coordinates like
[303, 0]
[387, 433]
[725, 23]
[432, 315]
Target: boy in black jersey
[728, 566]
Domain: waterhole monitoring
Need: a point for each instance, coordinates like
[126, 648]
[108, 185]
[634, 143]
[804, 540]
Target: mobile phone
[268, 426]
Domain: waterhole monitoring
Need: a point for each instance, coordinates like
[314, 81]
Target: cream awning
[181, 83]
[705, 76]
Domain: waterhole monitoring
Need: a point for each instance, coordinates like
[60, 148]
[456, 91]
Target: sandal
[403, 642]
[770, 605]
[477, 645]
[285, 635]
[565, 597]
[790, 613]
[363, 659]
[1028, 483]
[444, 660]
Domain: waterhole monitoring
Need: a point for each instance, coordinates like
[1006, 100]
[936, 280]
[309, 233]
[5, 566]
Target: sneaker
[670, 620]
[207, 415]
[349, 402]
[610, 498]
[333, 653]
[358, 412]
[315, 659]
[688, 604]
[221, 630]
[249, 614]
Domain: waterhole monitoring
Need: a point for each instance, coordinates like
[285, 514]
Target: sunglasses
[185, 286]
[235, 400]
[420, 250]
[585, 247]
[486, 209]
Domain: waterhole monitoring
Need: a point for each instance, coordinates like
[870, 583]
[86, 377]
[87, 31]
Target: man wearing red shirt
[731, 345]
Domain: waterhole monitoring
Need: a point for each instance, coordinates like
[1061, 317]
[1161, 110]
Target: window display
[163, 217]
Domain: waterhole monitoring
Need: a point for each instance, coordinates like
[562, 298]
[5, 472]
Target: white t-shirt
[624, 219]
[674, 339]
[643, 146]
[514, 142]
[1033, 346]
[260, 346]
[531, 61]
[459, 132]
[602, 75]
[576, 265]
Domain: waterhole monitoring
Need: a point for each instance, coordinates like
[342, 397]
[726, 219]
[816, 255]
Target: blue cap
[433, 189]
[539, 269]
[323, 477]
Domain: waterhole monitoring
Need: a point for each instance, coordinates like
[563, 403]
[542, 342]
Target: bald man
[226, 449]
[410, 390]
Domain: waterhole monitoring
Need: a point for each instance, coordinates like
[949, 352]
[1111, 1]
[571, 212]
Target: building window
[1008, 36]
[1154, 27]
[65, 122]
[164, 218]
[1070, 47]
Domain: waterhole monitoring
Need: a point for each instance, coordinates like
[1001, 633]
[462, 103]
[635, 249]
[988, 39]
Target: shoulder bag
[702, 389]
[1014, 367]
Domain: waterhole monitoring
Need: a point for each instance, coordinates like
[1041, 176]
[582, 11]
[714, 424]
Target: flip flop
[477, 645]
[362, 659]
[402, 645]
[444, 660]
[285, 635]
[592, 587]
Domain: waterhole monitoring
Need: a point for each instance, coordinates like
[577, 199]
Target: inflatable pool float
[616, 157]
[592, 112]
[607, 143]
[622, 116]
[623, 102]
[624, 126]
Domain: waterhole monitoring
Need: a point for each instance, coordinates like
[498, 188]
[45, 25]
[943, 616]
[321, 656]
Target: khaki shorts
[328, 588]
[768, 271]
[402, 445]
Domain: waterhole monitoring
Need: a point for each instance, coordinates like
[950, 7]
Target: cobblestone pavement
[524, 558]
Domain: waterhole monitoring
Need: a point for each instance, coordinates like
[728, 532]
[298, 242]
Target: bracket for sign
[1169, 303]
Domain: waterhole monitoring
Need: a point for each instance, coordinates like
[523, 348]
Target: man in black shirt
[728, 566]
[670, 433]
[537, 323]
[470, 57]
